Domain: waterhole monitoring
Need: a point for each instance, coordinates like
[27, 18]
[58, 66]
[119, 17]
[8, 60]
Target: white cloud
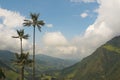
[57, 45]
[54, 38]
[9, 21]
[49, 25]
[85, 1]
[67, 49]
[84, 15]
[104, 28]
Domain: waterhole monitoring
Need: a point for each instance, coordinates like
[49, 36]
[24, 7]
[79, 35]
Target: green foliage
[44, 64]
[103, 64]
[112, 48]
[10, 75]
[23, 59]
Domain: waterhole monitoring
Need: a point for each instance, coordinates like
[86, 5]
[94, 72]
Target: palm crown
[21, 34]
[22, 59]
[34, 21]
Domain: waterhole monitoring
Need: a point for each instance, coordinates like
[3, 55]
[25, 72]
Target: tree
[21, 36]
[22, 60]
[34, 22]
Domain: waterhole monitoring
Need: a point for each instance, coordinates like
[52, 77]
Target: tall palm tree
[22, 60]
[21, 36]
[35, 23]
[21, 57]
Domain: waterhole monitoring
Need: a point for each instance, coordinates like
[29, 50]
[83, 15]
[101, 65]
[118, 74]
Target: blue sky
[63, 14]
[74, 28]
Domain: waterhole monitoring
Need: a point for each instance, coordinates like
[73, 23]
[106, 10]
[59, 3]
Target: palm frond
[27, 55]
[26, 20]
[18, 32]
[27, 23]
[41, 23]
[17, 56]
[21, 34]
[39, 27]
[29, 62]
[34, 16]
[26, 36]
[15, 36]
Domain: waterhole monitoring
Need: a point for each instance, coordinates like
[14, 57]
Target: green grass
[112, 48]
[10, 75]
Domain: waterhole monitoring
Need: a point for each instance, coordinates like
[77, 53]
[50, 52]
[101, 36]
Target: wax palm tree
[22, 60]
[21, 36]
[20, 57]
[34, 22]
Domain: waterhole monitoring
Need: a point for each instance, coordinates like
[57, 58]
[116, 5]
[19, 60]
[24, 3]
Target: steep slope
[7, 66]
[103, 64]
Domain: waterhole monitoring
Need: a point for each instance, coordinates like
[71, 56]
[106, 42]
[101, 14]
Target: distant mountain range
[44, 64]
[103, 64]
[48, 63]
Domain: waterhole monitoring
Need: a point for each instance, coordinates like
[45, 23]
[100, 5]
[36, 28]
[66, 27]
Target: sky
[73, 29]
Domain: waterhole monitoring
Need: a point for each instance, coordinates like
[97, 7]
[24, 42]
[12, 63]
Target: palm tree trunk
[21, 45]
[22, 73]
[34, 53]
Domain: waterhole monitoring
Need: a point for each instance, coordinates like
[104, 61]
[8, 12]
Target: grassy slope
[103, 64]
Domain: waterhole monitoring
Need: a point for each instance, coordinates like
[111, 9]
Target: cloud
[54, 38]
[85, 1]
[49, 25]
[103, 29]
[84, 15]
[9, 21]
[57, 45]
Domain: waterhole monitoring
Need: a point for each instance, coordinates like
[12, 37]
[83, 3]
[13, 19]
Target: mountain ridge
[6, 58]
[103, 64]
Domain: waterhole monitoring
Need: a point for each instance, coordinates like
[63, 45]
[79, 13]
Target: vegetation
[35, 23]
[103, 64]
[23, 58]
[2, 75]
[21, 36]
[46, 65]
[112, 48]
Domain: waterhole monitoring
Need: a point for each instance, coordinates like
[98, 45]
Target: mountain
[103, 64]
[7, 66]
[43, 62]
[48, 63]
